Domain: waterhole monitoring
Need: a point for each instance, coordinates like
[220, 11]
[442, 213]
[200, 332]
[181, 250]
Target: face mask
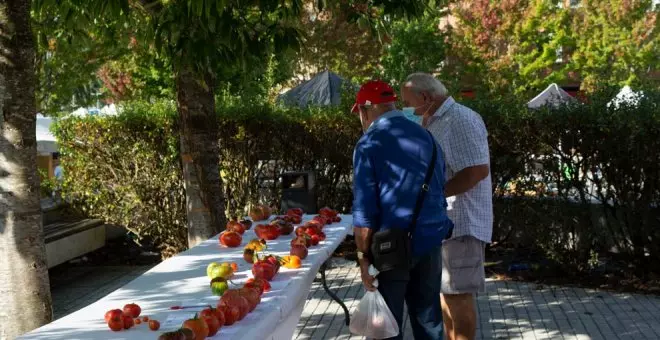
[409, 112]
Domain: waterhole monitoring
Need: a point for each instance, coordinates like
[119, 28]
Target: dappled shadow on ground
[614, 272]
[509, 310]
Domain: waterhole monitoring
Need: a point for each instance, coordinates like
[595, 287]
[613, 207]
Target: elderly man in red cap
[399, 210]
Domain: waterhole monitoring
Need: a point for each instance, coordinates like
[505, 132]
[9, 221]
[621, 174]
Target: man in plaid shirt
[462, 136]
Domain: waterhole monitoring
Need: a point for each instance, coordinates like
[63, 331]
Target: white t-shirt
[463, 138]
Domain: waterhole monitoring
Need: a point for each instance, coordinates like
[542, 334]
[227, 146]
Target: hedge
[127, 168]
[544, 164]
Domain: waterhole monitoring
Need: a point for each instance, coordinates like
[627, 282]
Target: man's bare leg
[446, 319]
[459, 316]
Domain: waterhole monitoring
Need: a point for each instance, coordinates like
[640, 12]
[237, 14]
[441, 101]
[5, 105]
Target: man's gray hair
[419, 82]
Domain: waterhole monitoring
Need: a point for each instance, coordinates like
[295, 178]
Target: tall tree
[339, 38]
[615, 43]
[522, 45]
[24, 284]
[417, 45]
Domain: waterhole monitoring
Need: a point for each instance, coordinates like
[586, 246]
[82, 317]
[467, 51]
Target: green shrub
[126, 169]
[592, 169]
[571, 182]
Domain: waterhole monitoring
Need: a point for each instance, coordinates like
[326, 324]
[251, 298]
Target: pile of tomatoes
[233, 306]
[118, 319]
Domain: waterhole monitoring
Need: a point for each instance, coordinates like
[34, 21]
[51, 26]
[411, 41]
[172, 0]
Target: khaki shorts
[463, 266]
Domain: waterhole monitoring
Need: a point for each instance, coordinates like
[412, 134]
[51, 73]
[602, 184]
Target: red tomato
[145, 318]
[238, 301]
[252, 296]
[137, 321]
[272, 232]
[252, 285]
[114, 313]
[299, 250]
[301, 231]
[198, 326]
[212, 323]
[295, 211]
[132, 310]
[316, 239]
[313, 230]
[327, 212]
[259, 230]
[265, 286]
[236, 226]
[239, 228]
[263, 270]
[316, 223]
[272, 260]
[322, 236]
[230, 239]
[154, 325]
[231, 313]
[299, 240]
[217, 313]
[116, 323]
[128, 322]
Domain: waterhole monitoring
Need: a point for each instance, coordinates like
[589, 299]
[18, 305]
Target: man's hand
[367, 279]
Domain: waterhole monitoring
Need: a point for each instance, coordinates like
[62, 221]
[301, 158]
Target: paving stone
[509, 310]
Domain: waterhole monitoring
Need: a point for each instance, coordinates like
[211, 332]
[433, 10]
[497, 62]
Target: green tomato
[212, 266]
[224, 272]
[219, 286]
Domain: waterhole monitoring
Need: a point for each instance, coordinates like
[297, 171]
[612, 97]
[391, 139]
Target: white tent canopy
[553, 96]
[46, 141]
[109, 110]
[627, 96]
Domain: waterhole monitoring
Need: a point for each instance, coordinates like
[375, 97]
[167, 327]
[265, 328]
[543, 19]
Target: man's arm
[466, 179]
[365, 208]
[467, 154]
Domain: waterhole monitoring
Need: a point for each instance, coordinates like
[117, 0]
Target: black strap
[425, 187]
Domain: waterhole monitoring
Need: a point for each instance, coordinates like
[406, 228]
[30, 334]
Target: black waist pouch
[391, 250]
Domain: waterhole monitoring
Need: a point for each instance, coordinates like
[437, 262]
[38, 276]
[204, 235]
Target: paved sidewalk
[509, 310]
[73, 288]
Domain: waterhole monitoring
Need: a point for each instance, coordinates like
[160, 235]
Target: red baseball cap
[374, 92]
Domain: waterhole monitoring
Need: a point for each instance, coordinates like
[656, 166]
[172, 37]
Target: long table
[181, 280]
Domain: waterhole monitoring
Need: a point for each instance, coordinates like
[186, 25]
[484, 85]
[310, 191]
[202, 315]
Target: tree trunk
[24, 285]
[205, 204]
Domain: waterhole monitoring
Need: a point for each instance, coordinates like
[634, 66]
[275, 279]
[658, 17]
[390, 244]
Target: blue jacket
[389, 165]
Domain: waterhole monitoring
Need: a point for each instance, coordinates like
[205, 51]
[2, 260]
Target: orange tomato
[137, 321]
[154, 325]
[294, 262]
[291, 262]
[234, 266]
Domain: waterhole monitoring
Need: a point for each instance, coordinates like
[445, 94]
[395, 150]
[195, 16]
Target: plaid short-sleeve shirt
[463, 138]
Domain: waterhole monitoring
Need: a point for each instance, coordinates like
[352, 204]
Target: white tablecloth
[182, 280]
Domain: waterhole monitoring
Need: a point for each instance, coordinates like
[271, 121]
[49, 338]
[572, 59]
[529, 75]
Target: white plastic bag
[373, 319]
